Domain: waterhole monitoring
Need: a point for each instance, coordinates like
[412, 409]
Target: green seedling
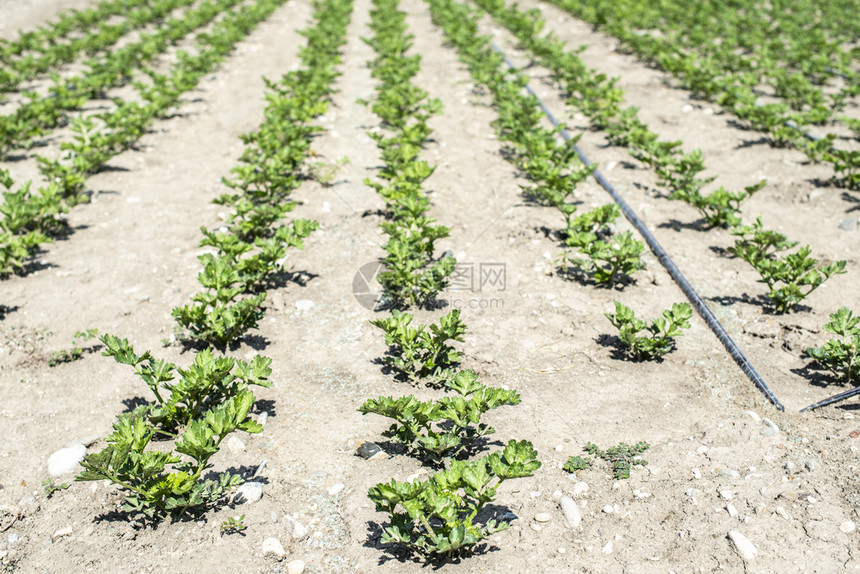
[422, 354]
[437, 516]
[661, 333]
[233, 525]
[576, 463]
[446, 427]
[608, 261]
[721, 208]
[790, 278]
[620, 458]
[76, 352]
[840, 356]
[50, 487]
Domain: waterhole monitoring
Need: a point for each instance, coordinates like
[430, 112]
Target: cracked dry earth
[721, 460]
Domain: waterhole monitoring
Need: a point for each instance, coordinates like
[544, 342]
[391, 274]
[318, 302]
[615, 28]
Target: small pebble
[368, 449]
[248, 493]
[702, 449]
[608, 509]
[66, 531]
[295, 529]
[580, 488]
[262, 418]
[848, 224]
[295, 567]
[790, 467]
[12, 538]
[65, 460]
[556, 495]
[781, 511]
[810, 465]
[608, 548]
[543, 517]
[691, 492]
[336, 489]
[570, 510]
[235, 445]
[697, 474]
[536, 527]
[304, 305]
[745, 548]
[733, 512]
[753, 416]
[731, 473]
[726, 494]
[760, 508]
[273, 547]
[847, 527]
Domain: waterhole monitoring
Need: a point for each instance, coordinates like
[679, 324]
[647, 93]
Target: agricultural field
[358, 286]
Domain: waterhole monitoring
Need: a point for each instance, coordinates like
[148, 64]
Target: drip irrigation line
[664, 258]
[834, 399]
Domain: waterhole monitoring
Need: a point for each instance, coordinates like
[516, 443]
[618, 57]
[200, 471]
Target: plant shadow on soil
[476, 447]
[761, 300]
[817, 375]
[619, 352]
[677, 225]
[403, 555]
[851, 199]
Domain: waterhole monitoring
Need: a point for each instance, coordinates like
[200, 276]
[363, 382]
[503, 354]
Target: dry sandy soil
[712, 468]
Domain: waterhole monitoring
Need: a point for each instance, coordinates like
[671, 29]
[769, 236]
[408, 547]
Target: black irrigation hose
[667, 262]
[834, 399]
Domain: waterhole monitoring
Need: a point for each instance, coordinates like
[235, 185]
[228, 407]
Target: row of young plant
[437, 517]
[53, 54]
[30, 219]
[38, 115]
[42, 38]
[790, 277]
[213, 396]
[785, 122]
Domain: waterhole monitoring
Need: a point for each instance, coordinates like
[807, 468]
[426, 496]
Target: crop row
[32, 219]
[784, 122]
[38, 115]
[54, 54]
[212, 397]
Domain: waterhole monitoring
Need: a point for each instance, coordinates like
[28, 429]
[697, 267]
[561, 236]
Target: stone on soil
[65, 460]
[570, 510]
[742, 544]
[273, 547]
[249, 492]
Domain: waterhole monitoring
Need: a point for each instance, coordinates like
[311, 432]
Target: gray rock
[368, 449]
[731, 473]
[742, 544]
[848, 224]
[570, 510]
[810, 465]
[790, 467]
[248, 493]
[262, 418]
[273, 547]
[770, 428]
[65, 461]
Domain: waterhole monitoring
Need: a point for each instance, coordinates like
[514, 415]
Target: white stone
[608, 509]
[235, 445]
[66, 531]
[579, 489]
[847, 527]
[336, 489]
[543, 517]
[745, 548]
[608, 548]
[262, 418]
[303, 305]
[730, 508]
[249, 492]
[65, 460]
[295, 567]
[296, 529]
[726, 494]
[570, 510]
[753, 416]
[273, 547]
[702, 449]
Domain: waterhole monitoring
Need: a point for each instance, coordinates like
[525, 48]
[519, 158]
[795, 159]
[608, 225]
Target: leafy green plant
[721, 208]
[661, 333]
[158, 484]
[608, 261]
[437, 516]
[620, 457]
[325, 173]
[790, 278]
[444, 428]
[577, 463]
[76, 352]
[205, 385]
[840, 356]
[422, 354]
[233, 525]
